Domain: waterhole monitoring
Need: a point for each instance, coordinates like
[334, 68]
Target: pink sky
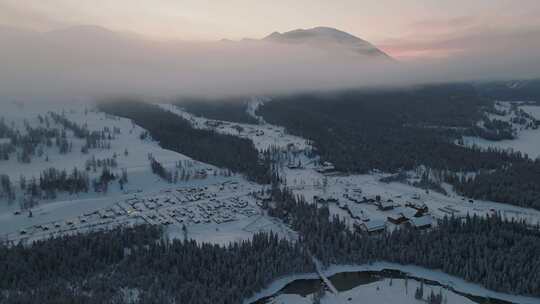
[408, 29]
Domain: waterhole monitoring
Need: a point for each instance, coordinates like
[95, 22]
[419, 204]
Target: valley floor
[220, 209]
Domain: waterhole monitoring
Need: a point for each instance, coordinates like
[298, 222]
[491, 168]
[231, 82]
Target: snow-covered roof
[375, 224]
[421, 221]
[356, 210]
[408, 212]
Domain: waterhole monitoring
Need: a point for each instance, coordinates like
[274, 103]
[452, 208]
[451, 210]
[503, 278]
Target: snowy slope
[263, 135]
[527, 141]
[84, 113]
[142, 184]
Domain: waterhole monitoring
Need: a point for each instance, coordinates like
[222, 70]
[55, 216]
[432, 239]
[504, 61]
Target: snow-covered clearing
[225, 220]
[234, 231]
[263, 135]
[527, 141]
[310, 183]
[84, 114]
[135, 161]
[217, 213]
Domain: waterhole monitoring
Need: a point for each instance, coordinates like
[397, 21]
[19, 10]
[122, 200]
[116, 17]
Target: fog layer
[90, 61]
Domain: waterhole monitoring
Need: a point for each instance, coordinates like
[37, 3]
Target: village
[205, 205]
[370, 205]
[364, 201]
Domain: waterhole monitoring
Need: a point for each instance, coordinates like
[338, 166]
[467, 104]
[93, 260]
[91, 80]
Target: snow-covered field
[527, 141]
[71, 213]
[263, 135]
[84, 114]
[135, 162]
[309, 183]
[216, 213]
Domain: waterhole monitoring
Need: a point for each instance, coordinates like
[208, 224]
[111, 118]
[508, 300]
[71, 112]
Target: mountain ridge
[321, 37]
[329, 38]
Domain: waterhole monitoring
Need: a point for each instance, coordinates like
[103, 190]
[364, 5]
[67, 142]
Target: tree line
[175, 133]
[97, 267]
[100, 267]
[227, 109]
[496, 253]
[52, 181]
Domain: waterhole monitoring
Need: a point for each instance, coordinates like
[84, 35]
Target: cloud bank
[95, 62]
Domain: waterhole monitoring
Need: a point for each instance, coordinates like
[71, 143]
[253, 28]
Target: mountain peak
[329, 38]
[327, 30]
[273, 35]
[320, 31]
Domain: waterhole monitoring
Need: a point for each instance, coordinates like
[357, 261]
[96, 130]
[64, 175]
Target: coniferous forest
[103, 267]
[495, 253]
[396, 130]
[175, 133]
[110, 266]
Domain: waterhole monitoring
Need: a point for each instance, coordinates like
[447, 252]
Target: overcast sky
[404, 29]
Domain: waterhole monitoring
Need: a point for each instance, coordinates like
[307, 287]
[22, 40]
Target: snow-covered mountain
[327, 38]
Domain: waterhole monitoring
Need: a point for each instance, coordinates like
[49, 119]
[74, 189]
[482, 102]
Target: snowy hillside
[527, 135]
[125, 149]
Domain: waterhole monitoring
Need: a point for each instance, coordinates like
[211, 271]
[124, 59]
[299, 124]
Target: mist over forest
[95, 62]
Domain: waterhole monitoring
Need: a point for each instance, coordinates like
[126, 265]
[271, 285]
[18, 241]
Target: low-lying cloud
[95, 62]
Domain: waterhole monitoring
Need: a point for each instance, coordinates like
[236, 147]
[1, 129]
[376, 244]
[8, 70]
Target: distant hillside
[328, 38]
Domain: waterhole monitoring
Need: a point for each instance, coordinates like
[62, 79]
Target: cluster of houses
[413, 214]
[177, 206]
[417, 219]
[88, 220]
[183, 206]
